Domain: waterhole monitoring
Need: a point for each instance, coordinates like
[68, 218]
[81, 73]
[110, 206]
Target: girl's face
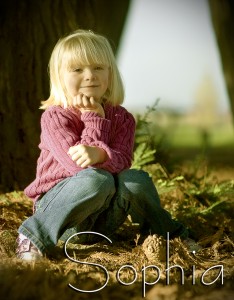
[91, 80]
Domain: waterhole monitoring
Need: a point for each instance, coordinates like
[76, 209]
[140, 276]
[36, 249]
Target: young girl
[83, 179]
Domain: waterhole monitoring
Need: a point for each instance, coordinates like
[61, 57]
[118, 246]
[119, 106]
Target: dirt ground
[132, 266]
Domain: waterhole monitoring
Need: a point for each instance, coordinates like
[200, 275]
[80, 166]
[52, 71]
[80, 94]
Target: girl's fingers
[83, 162]
[93, 102]
[86, 102]
[77, 100]
[79, 150]
[79, 155]
[82, 101]
[76, 156]
[72, 150]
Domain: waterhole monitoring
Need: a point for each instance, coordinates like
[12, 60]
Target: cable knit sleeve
[115, 135]
[96, 128]
[61, 129]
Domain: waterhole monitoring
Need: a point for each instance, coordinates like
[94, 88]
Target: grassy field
[193, 136]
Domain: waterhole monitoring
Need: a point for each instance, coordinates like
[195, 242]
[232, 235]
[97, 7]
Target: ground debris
[186, 199]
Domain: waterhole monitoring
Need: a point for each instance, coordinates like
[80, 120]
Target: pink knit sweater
[62, 128]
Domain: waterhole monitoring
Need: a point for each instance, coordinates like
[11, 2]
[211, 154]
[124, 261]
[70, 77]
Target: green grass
[193, 136]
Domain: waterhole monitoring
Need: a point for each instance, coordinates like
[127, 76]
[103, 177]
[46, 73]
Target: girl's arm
[106, 141]
[114, 135]
[61, 129]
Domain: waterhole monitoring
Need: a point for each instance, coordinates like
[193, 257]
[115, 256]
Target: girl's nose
[89, 74]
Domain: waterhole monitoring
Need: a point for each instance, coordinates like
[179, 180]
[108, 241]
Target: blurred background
[177, 51]
[169, 52]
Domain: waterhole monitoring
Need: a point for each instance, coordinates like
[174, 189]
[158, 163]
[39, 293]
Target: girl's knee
[135, 176]
[96, 179]
[137, 182]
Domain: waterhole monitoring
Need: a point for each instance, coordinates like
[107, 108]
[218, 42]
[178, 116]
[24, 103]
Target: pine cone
[154, 248]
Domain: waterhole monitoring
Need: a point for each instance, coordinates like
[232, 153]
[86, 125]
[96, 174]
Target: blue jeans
[96, 200]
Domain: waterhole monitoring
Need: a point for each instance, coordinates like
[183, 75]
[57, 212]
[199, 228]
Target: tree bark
[222, 13]
[29, 31]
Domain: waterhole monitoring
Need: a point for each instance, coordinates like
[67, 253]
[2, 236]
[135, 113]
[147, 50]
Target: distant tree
[206, 107]
[28, 32]
[222, 13]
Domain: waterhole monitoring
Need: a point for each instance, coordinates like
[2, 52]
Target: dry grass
[199, 199]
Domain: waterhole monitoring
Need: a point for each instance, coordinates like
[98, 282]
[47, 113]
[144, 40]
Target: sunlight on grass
[193, 136]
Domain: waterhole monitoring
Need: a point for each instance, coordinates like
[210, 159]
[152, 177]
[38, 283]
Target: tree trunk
[29, 31]
[222, 13]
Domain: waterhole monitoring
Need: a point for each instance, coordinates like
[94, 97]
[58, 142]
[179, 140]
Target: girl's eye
[78, 70]
[98, 68]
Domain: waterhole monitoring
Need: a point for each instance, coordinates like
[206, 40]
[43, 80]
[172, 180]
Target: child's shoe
[26, 250]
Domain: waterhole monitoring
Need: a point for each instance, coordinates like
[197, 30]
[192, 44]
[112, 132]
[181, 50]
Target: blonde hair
[82, 47]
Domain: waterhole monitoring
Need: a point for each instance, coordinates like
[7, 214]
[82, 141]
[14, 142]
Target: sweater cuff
[93, 120]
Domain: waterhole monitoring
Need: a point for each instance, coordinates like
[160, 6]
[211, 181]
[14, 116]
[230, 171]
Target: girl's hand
[86, 104]
[86, 156]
